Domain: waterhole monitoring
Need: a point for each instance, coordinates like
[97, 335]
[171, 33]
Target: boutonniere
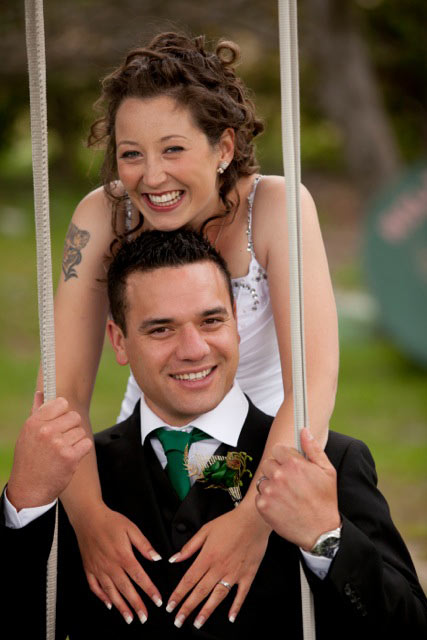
[222, 472]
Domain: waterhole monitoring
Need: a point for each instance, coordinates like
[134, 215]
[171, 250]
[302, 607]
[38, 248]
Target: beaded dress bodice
[259, 373]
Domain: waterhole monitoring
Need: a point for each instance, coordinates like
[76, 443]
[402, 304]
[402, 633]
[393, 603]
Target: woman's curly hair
[181, 67]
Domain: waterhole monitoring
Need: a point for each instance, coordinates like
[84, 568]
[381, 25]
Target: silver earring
[222, 167]
[128, 209]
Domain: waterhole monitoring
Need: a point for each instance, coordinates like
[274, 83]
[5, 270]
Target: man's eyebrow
[153, 322]
[214, 311]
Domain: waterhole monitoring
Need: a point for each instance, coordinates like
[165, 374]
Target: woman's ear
[226, 145]
[118, 342]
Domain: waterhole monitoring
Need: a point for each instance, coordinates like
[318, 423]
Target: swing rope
[37, 79]
[289, 83]
[291, 161]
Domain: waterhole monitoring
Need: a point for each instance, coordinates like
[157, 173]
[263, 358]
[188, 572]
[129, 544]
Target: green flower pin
[224, 472]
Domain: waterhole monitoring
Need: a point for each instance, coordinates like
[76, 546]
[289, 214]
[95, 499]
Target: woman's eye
[175, 149]
[130, 154]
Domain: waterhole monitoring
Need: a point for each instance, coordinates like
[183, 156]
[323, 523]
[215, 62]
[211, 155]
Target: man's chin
[184, 413]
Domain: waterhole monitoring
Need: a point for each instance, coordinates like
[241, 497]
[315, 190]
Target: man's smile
[193, 375]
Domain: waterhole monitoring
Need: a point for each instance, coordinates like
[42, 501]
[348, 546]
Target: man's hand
[47, 453]
[298, 497]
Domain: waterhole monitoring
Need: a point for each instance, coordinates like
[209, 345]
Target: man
[174, 322]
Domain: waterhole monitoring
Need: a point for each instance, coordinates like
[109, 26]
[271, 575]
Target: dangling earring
[128, 209]
[222, 167]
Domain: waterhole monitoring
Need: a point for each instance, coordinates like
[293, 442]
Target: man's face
[182, 342]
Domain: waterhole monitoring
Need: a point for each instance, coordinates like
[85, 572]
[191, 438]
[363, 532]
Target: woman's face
[166, 163]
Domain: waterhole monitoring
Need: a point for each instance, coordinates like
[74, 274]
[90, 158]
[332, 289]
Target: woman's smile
[165, 201]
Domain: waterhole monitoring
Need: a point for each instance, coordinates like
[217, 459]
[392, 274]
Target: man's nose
[191, 344]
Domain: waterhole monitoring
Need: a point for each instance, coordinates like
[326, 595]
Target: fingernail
[232, 617]
[174, 558]
[155, 556]
[142, 617]
[199, 622]
[171, 606]
[157, 601]
[128, 618]
[309, 434]
[179, 620]
[108, 605]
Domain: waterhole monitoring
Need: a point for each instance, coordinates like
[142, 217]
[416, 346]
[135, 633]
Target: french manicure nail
[155, 556]
[171, 606]
[179, 620]
[108, 605]
[157, 601]
[232, 617]
[128, 618]
[174, 558]
[142, 617]
[199, 621]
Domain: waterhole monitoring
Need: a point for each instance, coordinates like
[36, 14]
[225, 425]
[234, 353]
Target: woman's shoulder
[94, 208]
[269, 220]
[272, 189]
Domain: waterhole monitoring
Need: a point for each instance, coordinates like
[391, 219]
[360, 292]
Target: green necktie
[174, 443]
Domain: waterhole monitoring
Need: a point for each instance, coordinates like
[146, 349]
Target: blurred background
[363, 68]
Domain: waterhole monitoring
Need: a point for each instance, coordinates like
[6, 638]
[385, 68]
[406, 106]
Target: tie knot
[174, 440]
[174, 443]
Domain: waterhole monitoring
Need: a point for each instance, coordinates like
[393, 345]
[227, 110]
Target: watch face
[328, 547]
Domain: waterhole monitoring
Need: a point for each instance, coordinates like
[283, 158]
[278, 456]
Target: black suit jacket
[371, 589]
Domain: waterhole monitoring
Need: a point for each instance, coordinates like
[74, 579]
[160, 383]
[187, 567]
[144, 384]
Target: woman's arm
[81, 307]
[320, 317]
[236, 558]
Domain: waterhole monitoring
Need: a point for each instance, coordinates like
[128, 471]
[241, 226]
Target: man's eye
[159, 331]
[212, 322]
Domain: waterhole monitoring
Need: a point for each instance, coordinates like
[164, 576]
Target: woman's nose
[154, 173]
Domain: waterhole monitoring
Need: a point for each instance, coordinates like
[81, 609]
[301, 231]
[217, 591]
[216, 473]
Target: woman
[178, 130]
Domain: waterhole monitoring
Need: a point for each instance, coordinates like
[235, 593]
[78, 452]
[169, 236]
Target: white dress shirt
[223, 424]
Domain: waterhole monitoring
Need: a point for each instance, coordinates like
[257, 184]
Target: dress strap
[251, 198]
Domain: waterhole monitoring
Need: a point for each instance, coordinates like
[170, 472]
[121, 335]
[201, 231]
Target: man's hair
[153, 250]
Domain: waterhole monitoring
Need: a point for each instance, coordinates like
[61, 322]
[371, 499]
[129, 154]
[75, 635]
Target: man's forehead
[199, 286]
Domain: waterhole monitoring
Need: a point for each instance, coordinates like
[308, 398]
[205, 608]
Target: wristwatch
[327, 544]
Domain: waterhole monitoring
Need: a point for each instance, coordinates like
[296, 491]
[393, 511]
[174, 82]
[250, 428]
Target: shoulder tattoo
[75, 240]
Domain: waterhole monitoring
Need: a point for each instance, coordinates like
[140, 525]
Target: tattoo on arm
[75, 240]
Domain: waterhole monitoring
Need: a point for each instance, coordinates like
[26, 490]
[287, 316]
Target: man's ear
[235, 318]
[117, 340]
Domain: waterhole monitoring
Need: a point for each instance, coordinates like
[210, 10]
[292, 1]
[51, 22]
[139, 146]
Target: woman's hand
[233, 546]
[105, 540]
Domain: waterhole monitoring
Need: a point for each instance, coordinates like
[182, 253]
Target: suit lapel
[135, 483]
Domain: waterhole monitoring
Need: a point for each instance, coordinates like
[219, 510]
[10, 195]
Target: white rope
[291, 161]
[37, 77]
